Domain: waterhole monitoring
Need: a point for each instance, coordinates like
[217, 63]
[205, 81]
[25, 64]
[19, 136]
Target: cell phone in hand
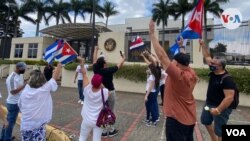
[121, 53]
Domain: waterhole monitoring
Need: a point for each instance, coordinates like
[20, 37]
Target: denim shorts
[207, 118]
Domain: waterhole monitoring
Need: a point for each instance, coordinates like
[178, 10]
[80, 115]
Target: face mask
[21, 71]
[212, 68]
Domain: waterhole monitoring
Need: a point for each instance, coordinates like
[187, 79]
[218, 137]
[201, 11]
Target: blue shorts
[207, 118]
[38, 134]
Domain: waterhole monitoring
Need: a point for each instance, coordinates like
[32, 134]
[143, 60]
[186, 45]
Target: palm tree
[60, 10]
[214, 8]
[109, 10]
[161, 12]
[41, 7]
[89, 8]
[20, 11]
[78, 7]
[181, 8]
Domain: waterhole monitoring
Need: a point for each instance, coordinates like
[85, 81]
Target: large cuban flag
[61, 51]
[193, 29]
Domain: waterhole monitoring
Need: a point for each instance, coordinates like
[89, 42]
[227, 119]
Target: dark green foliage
[135, 73]
[28, 62]
[241, 77]
[71, 66]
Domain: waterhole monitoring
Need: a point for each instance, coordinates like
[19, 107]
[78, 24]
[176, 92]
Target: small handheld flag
[136, 43]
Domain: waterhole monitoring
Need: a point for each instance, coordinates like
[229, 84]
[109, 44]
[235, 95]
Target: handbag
[106, 116]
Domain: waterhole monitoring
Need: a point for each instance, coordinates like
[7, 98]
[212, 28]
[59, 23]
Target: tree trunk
[107, 21]
[183, 22]
[37, 27]
[163, 35]
[75, 17]
[15, 29]
[90, 20]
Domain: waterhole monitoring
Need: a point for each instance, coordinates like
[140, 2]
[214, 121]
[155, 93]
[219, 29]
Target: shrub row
[137, 73]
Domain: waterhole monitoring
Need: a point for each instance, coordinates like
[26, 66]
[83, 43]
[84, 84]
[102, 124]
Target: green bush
[28, 62]
[135, 73]
[241, 77]
[71, 66]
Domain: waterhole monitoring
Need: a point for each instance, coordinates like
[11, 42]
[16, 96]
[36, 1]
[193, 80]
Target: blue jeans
[152, 106]
[80, 89]
[207, 118]
[13, 111]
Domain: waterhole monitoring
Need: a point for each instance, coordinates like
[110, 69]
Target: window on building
[18, 51]
[32, 52]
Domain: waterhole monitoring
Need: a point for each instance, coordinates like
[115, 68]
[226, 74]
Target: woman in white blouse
[93, 105]
[35, 104]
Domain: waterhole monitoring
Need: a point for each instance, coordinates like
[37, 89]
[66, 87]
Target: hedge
[28, 62]
[137, 73]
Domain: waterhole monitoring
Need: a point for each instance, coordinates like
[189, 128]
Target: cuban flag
[65, 54]
[51, 51]
[136, 43]
[60, 51]
[193, 29]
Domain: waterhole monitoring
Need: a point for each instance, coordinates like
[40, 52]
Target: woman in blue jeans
[152, 90]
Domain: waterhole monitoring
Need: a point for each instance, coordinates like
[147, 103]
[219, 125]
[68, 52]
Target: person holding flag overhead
[193, 29]
[179, 103]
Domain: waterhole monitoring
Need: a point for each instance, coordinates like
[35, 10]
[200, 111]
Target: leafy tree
[89, 8]
[109, 10]
[181, 8]
[220, 47]
[60, 10]
[161, 12]
[41, 7]
[78, 7]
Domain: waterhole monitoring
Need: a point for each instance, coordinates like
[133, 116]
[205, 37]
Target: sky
[142, 8]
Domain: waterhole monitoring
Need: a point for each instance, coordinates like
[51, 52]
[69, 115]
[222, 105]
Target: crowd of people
[173, 78]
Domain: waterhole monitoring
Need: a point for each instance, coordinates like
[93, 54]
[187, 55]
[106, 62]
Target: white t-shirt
[150, 79]
[14, 81]
[78, 70]
[92, 104]
[36, 105]
[164, 76]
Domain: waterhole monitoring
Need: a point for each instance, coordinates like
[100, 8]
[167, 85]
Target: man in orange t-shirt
[179, 103]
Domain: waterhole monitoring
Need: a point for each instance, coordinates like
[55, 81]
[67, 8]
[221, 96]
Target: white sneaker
[82, 102]
[79, 101]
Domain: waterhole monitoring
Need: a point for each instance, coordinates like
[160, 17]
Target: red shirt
[179, 102]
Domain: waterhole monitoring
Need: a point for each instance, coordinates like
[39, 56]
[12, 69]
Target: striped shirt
[14, 81]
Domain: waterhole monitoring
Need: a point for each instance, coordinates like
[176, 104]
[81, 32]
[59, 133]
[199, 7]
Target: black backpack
[236, 101]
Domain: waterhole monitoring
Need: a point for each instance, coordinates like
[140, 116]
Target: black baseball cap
[182, 58]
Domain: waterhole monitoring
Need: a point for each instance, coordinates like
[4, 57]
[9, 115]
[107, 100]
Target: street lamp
[6, 28]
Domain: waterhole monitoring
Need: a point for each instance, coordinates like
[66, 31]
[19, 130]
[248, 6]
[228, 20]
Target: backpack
[106, 116]
[236, 101]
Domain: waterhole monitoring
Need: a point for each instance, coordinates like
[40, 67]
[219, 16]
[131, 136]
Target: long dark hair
[100, 63]
[156, 71]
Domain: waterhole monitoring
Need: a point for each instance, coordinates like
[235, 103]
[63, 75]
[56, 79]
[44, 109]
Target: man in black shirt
[100, 67]
[220, 95]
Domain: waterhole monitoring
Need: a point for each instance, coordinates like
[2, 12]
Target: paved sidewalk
[130, 113]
